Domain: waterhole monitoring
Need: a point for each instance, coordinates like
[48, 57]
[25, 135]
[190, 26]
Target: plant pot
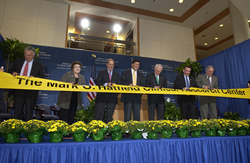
[166, 133]
[35, 136]
[152, 135]
[220, 133]
[248, 132]
[136, 135]
[98, 136]
[242, 132]
[232, 132]
[56, 137]
[211, 132]
[116, 135]
[182, 133]
[11, 138]
[196, 133]
[79, 137]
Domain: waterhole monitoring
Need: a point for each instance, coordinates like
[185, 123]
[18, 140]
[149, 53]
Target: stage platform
[233, 149]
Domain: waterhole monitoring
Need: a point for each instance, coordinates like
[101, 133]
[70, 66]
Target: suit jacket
[102, 78]
[37, 70]
[201, 81]
[152, 82]
[64, 97]
[126, 79]
[179, 83]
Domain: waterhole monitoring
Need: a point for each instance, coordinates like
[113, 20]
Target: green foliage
[12, 49]
[196, 67]
[231, 115]
[86, 115]
[171, 112]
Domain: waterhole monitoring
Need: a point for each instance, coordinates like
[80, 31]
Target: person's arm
[65, 77]
[216, 84]
[148, 81]
[41, 71]
[123, 79]
[177, 83]
[100, 80]
[198, 81]
[12, 70]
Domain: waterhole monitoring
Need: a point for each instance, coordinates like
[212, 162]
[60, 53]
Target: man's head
[187, 70]
[158, 69]
[29, 53]
[209, 70]
[135, 64]
[110, 64]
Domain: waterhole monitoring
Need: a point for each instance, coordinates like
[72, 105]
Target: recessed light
[221, 25]
[88, 29]
[132, 1]
[216, 38]
[171, 10]
[180, 1]
[205, 43]
[107, 31]
[248, 21]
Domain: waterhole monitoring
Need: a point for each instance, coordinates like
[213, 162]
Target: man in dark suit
[26, 98]
[158, 81]
[132, 77]
[186, 103]
[106, 77]
[208, 81]
[248, 86]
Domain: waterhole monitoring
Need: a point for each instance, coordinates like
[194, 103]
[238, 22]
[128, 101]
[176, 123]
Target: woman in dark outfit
[70, 101]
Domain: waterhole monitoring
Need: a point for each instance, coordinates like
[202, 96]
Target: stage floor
[228, 149]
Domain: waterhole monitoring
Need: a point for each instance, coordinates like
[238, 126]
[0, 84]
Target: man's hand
[14, 74]
[185, 88]
[1, 69]
[157, 87]
[206, 87]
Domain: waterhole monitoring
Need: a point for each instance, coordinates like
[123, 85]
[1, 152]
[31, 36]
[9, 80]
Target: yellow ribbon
[7, 81]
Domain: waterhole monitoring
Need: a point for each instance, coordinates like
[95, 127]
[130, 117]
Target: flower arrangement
[152, 126]
[182, 128]
[121, 124]
[95, 126]
[194, 125]
[243, 125]
[222, 124]
[33, 125]
[58, 126]
[134, 126]
[166, 125]
[11, 130]
[11, 125]
[232, 125]
[78, 126]
[210, 124]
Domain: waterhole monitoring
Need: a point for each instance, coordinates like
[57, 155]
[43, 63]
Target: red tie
[25, 71]
[110, 75]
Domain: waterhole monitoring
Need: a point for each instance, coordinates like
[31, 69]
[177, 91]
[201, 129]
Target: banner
[7, 81]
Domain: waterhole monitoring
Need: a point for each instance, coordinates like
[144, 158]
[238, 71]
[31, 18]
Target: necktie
[25, 71]
[134, 78]
[110, 75]
[208, 80]
[187, 82]
[157, 79]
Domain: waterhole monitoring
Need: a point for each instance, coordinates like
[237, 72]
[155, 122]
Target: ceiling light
[88, 29]
[117, 28]
[132, 1]
[205, 43]
[107, 31]
[216, 38]
[248, 21]
[180, 1]
[85, 23]
[221, 25]
[171, 10]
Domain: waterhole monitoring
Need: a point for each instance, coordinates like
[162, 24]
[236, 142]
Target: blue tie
[187, 82]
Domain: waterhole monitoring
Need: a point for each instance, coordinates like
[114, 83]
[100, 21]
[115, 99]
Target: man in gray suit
[208, 81]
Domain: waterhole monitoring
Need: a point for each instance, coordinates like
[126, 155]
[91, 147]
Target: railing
[100, 44]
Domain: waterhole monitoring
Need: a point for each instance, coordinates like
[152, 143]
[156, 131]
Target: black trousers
[188, 110]
[160, 111]
[68, 115]
[22, 102]
[100, 110]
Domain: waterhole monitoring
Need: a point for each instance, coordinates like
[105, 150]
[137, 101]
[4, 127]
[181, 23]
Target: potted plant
[34, 130]
[56, 129]
[242, 127]
[97, 129]
[222, 127]
[172, 112]
[11, 130]
[166, 127]
[195, 127]
[196, 67]
[116, 128]
[78, 130]
[211, 127]
[135, 129]
[152, 128]
[182, 128]
[86, 115]
[232, 127]
[231, 115]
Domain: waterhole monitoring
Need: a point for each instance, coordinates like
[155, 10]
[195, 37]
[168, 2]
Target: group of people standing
[70, 101]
